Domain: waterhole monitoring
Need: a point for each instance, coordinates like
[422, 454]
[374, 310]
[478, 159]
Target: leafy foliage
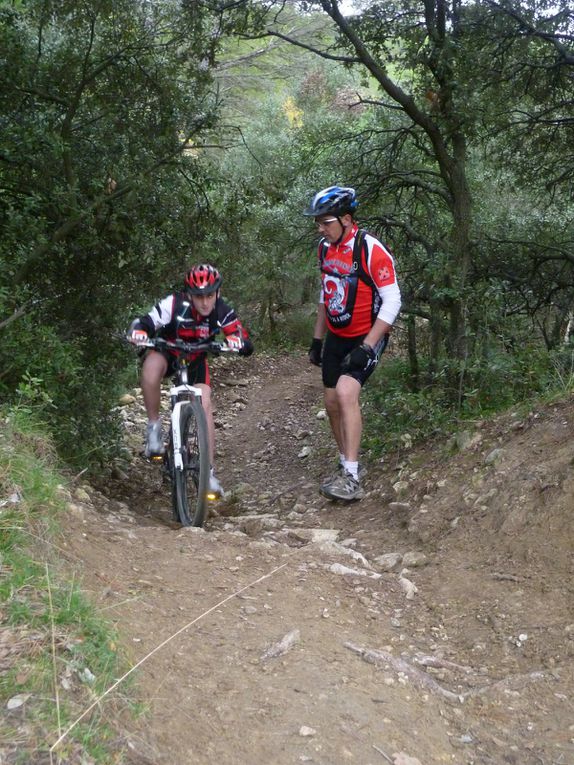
[504, 379]
[99, 195]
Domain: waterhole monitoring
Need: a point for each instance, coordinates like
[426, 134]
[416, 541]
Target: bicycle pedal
[155, 459]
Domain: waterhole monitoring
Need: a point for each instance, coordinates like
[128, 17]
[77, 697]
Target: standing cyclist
[360, 300]
[195, 313]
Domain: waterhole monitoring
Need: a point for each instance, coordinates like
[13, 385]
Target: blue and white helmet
[334, 200]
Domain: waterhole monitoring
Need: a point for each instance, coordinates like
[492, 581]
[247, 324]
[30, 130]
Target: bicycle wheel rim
[191, 483]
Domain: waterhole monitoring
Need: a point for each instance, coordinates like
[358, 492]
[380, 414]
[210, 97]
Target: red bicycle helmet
[203, 280]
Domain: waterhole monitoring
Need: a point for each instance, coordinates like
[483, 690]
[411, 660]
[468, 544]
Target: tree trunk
[436, 339]
[414, 382]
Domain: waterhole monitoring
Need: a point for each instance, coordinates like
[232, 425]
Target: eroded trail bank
[434, 618]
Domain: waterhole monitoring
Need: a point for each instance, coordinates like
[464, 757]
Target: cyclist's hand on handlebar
[234, 342]
[138, 337]
[242, 347]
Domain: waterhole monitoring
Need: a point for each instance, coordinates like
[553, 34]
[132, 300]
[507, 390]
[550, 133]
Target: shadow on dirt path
[432, 621]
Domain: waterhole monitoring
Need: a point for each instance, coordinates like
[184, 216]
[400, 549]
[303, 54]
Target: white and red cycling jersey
[352, 304]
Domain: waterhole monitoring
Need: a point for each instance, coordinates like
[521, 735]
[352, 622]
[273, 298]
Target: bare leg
[208, 409]
[153, 371]
[334, 414]
[350, 421]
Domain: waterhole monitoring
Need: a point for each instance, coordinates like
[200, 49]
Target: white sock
[352, 468]
[341, 459]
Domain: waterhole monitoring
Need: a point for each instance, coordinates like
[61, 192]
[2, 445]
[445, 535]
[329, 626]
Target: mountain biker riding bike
[197, 312]
[360, 300]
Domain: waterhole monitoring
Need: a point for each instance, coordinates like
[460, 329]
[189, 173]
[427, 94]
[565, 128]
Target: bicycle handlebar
[199, 346]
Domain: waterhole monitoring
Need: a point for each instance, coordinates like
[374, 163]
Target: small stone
[466, 440]
[17, 701]
[87, 676]
[75, 509]
[410, 589]
[389, 561]
[493, 457]
[306, 731]
[414, 559]
[127, 399]
[82, 495]
[399, 507]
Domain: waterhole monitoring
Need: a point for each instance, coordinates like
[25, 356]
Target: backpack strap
[360, 252]
[360, 255]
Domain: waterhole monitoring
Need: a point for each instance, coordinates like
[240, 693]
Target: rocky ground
[432, 622]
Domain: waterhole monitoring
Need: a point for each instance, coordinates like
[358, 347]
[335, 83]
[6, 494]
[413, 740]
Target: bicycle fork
[174, 393]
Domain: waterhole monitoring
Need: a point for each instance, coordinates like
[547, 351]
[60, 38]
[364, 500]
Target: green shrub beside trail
[398, 414]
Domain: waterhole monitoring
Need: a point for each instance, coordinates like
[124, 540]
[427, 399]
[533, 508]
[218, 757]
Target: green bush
[396, 417]
[71, 384]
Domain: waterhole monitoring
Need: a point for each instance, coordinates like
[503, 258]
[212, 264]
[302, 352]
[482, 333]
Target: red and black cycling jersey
[174, 317]
[356, 292]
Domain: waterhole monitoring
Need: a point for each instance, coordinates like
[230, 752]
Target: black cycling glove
[247, 348]
[315, 351]
[359, 358]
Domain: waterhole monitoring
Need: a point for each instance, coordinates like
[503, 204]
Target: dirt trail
[478, 604]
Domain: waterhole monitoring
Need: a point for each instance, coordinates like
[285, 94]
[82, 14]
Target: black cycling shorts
[197, 371]
[335, 349]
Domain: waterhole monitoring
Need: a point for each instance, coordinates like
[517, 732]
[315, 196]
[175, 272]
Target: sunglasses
[326, 222]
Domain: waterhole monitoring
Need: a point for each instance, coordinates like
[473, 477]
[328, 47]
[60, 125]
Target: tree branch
[316, 51]
[392, 89]
[565, 56]
[17, 313]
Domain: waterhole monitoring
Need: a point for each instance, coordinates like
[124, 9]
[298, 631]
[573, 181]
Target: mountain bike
[186, 459]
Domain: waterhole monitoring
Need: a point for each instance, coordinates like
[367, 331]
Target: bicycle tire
[191, 483]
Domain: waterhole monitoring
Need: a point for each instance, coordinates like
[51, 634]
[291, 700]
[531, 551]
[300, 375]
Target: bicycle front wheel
[191, 483]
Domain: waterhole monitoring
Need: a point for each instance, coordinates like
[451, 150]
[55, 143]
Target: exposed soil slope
[308, 646]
